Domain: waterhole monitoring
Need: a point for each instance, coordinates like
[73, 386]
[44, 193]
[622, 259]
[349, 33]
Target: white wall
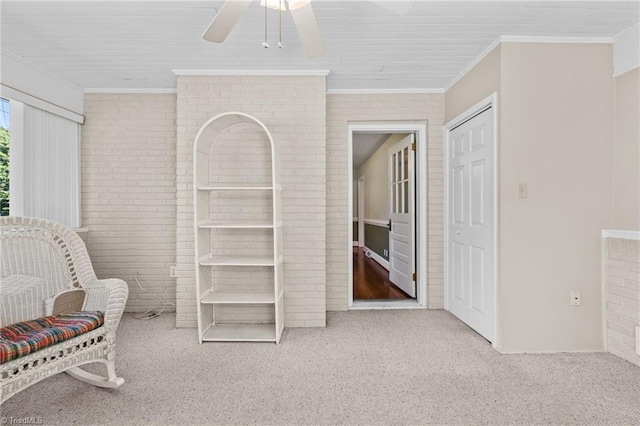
[626, 160]
[555, 133]
[343, 109]
[626, 189]
[556, 136]
[129, 191]
[293, 109]
[28, 83]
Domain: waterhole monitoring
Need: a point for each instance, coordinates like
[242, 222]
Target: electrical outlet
[386, 252]
[172, 272]
[575, 298]
[522, 190]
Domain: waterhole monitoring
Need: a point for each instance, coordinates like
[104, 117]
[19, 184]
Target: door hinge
[413, 146]
[414, 276]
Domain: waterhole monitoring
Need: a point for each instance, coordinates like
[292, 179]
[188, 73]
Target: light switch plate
[523, 190]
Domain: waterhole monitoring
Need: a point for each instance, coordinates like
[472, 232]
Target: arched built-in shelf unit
[238, 231]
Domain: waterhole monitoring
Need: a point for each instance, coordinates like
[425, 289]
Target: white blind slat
[51, 149]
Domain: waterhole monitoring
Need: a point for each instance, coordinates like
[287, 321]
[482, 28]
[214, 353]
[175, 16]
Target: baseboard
[355, 244]
[375, 256]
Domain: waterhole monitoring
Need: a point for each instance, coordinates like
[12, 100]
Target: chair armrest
[108, 296]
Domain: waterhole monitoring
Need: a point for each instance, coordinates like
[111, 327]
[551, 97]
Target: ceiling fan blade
[225, 20]
[308, 30]
[397, 7]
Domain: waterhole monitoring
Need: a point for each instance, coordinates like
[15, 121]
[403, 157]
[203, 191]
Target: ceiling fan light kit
[301, 12]
[273, 4]
[279, 4]
[297, 4]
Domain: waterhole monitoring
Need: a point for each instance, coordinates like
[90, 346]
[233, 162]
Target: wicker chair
[39, 261]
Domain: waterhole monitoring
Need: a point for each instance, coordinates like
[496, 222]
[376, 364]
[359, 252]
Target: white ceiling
[137, 44]
[365, 144]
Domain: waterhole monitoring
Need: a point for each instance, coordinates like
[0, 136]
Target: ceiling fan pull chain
[265, 44]
[280, 24]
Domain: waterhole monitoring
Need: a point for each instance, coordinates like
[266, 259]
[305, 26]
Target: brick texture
[622, 280]
[343, 109]
[294, 110]
[128, 191]
[137, 177]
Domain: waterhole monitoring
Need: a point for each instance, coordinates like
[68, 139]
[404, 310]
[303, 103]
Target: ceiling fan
[301, 12]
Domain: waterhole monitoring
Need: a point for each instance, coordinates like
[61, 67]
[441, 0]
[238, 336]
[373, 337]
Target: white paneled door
[402, 208]
[471, 213]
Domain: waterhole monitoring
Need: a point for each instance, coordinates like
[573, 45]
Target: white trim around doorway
[489, 101]
[420, 130]
[361, 211]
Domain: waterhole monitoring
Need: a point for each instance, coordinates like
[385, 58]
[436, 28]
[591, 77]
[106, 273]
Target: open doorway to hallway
[384, 221]
[402, 225]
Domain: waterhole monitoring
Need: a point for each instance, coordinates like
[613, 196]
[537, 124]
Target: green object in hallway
[376, 238]
[355, 230]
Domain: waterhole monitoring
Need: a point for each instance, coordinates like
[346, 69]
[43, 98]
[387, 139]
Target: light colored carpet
[367, 367]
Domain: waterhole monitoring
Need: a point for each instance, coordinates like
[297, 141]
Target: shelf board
[209, 260]
[227, 298]
[240, 333]
[237, 187]
[258, 224]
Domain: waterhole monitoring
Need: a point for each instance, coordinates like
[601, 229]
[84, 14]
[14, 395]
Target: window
[4, 157]
[45, 165]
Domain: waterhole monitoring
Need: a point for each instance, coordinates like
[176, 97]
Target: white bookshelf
[222, 293]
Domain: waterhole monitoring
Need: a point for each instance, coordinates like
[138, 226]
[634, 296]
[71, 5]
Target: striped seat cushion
[21, 339]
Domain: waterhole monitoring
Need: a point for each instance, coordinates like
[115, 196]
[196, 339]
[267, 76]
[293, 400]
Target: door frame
[420, 130]
[361, 211]
[489, 101]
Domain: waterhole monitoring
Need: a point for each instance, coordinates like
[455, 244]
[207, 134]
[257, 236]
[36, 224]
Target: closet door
[471, 205]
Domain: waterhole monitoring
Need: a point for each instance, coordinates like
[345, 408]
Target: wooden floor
[371, 281]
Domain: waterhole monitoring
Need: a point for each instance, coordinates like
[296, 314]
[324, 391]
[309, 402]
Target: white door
[471, 251]
[401, 197]
[361, 211]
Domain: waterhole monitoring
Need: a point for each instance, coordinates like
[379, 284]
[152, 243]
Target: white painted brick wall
[128, 191]
[294, 110]
[345, 108]
[132, 171]
[622, 277]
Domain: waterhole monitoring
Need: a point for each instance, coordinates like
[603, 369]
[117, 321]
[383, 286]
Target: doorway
[387, 248]
[470, 241]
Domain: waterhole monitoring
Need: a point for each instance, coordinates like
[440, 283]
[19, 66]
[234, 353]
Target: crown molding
[495, 43]
[627, 32]
[383, 91]
[625, 71]
[131, 90]
[37, 68]
[296, 73]
[544, 39]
